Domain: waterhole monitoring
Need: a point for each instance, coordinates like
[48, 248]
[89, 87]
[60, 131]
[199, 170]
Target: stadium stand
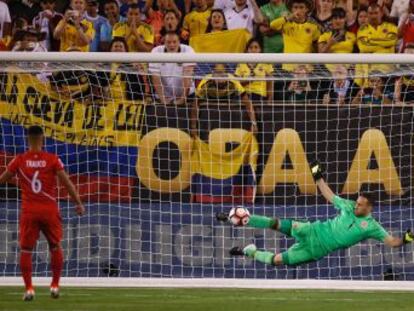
[293, 26]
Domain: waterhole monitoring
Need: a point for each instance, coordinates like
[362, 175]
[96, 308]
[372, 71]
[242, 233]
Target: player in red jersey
[36, 171]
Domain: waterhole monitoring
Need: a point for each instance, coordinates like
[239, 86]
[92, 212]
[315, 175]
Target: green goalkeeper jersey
[347, 229]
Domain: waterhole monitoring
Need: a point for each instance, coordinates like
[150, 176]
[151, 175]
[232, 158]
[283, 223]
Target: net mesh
[154, 174]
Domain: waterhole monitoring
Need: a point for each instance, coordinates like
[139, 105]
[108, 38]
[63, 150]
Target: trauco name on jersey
[35, 164]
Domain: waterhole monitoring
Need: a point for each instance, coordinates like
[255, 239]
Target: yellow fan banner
[228, 41]
[26, 100]
[208, 160]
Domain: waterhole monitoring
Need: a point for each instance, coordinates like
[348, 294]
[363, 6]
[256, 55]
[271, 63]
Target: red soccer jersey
[36, 172]
[407, 33]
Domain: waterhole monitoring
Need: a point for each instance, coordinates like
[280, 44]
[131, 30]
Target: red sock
[57, 265]
[26, 268]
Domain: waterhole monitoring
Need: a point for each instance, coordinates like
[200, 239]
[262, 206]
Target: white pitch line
[306, 284]
[48, 294]
[180, 297]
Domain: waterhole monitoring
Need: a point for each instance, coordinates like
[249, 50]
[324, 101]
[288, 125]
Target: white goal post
[153, 174]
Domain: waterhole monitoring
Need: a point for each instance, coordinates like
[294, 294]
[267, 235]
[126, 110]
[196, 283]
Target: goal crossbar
[303, 58]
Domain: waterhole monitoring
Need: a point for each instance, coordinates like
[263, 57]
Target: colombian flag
[224, 177]
[98, 143]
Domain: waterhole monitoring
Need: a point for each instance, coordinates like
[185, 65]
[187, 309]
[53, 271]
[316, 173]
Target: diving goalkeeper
[317, 239]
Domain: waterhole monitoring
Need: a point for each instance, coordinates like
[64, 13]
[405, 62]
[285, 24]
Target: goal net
[156, 149]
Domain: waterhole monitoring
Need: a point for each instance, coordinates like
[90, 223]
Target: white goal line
[218, 283]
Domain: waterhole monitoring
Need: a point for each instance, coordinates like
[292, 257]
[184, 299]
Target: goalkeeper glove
[408, 237]
[316, 170]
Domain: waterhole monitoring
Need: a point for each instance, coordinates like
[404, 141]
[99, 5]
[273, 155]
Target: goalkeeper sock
[26, 268]
[56, 265]
[256, 221]
[264, 257]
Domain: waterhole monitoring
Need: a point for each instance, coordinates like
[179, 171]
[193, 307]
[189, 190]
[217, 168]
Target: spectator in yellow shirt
[298, 30]
[121, 82]
[338, 40]
[139, 35]
[195, 22]
[377, 36]
[72, 84]
[74, 29]
[220, 85]
[258, 90]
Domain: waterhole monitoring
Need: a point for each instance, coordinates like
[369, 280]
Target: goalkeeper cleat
[223, 217]
[236, 251]
[29, 295]
[54, 292]
[248, 251]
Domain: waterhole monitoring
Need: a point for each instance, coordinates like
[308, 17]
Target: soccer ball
[239, 216]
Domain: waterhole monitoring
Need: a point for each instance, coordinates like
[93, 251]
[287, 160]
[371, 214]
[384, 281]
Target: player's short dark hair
[369, 197]
[307, 3]
[111, 2]
[119, 39]
[133, 6]
[253, 40]
[34, 131]
[338, 13]
[210, 26]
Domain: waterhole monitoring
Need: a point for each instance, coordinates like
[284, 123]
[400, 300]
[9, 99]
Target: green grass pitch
[149, 299]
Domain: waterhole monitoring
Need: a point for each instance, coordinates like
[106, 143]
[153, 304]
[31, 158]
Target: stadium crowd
[250, 26]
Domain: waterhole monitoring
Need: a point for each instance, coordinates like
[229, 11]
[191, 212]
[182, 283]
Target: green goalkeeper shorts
[307, 247]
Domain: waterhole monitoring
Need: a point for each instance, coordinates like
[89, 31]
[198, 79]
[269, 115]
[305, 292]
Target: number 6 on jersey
[36, 183]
